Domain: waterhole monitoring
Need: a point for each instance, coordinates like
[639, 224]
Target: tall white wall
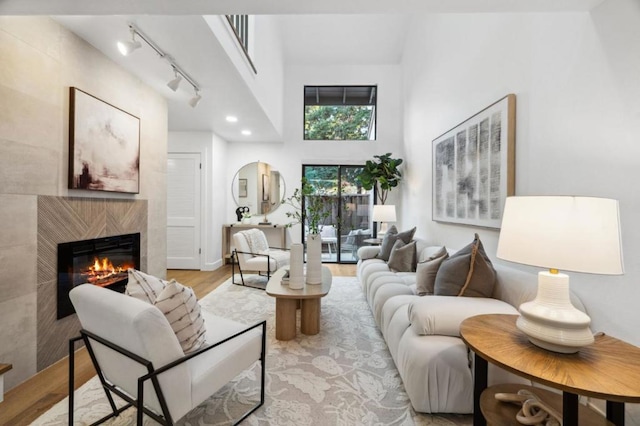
[288, 156]
[575, 76]
[40, 60]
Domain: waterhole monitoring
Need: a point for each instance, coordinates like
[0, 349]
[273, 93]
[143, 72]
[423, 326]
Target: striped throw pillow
[144, 286]
[181, 308]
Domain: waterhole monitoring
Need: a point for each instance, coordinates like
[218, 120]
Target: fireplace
[100, 261]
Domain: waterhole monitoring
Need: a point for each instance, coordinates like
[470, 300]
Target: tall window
[340, 112]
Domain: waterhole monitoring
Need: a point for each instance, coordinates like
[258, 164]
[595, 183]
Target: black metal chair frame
[152, 374]
[234, 259]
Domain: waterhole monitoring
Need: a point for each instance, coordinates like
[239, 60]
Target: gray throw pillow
[468, 272]
[390, 238]
[403, 257]
[427, 270]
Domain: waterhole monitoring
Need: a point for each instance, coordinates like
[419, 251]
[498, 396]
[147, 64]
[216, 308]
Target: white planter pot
[314, 259]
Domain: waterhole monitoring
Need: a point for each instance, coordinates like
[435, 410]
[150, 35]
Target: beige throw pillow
[403, 257]
[427, 270]
[468, 272]
[181, 308]
[144, 286]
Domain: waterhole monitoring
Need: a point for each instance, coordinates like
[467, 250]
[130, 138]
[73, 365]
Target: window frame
[373, 102]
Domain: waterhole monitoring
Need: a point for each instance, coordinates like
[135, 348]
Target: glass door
[348, 222]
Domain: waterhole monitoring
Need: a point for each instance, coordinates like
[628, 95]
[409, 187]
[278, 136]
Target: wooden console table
[608, 369]
[227, 231]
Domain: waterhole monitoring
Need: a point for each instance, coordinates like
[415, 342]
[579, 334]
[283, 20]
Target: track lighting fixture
[127, 47]
[174, 83]
[195, 100]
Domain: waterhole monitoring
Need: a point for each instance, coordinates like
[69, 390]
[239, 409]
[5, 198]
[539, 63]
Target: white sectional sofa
[422, 332]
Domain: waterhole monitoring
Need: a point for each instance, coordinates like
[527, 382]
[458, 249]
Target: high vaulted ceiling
[349, 32]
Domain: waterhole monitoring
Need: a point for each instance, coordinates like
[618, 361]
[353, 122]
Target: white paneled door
[183, 211]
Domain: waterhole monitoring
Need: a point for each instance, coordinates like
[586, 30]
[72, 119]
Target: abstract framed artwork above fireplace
[62, 220]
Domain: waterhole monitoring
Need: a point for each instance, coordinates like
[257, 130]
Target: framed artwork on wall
[265, 187]
[242, 188]
[104, 145]
[474, 167]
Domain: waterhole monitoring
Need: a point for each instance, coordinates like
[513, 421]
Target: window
[340, 112]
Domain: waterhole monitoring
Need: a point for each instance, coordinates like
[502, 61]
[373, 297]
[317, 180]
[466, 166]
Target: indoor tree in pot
[313, 214]
[382, 173]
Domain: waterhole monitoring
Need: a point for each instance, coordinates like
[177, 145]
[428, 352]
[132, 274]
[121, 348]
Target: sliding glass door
[348, 222]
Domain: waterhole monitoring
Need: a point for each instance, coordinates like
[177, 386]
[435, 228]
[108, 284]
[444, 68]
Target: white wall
[288, 157]
[212, 150]
[575, 76]
[40, 60]
[266, 55]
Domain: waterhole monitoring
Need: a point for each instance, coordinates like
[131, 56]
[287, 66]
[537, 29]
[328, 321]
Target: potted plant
[381, 173]
[314, 213]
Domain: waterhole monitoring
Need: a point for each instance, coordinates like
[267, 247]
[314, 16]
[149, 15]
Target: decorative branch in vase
[313, 214]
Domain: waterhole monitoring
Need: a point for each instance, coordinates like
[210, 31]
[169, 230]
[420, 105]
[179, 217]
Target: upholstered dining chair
[138, 357]
[253, 254]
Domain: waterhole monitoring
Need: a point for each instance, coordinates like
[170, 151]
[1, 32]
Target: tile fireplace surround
[65, 219]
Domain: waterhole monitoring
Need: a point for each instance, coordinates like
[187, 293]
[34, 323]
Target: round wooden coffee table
[288, 301]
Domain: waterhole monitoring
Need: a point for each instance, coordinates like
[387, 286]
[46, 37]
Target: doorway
[348, 223]
[183, 211]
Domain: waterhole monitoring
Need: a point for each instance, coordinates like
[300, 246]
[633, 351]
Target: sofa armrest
[368, 252]
[442, 315]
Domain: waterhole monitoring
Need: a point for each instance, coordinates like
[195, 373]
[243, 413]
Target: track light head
[174, 83]
[126, 47]
[193, 102]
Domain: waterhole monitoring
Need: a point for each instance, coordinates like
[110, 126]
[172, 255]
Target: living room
[573, 73]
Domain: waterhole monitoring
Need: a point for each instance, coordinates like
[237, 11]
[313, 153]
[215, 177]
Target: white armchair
[252, 253]
[138, 356]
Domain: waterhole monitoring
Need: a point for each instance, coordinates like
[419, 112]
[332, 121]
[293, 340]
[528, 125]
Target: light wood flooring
[27, 401]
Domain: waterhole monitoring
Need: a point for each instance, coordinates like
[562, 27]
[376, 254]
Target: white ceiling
[350, 32]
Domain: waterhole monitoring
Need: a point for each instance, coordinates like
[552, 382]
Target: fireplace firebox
[100, 261]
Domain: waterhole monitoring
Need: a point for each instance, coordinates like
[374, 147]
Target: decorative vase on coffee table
[314, 259]
[296, 270]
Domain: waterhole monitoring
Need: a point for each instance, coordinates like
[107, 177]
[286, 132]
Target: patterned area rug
[342, 376]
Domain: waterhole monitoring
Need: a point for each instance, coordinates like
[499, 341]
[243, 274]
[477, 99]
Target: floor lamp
[580, 234]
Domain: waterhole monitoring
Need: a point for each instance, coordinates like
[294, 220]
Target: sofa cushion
[402, 257]
[143, 286]
[442, 315]
[427, 270]
[390, 238]
[181, 308]
[468, 272]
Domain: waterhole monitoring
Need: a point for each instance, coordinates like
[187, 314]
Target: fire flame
[102, 271]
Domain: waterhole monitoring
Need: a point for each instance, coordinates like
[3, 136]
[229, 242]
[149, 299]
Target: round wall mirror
[258, 186]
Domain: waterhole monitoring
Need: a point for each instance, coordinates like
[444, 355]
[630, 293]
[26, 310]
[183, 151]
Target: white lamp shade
[384, 213]
[580, 234]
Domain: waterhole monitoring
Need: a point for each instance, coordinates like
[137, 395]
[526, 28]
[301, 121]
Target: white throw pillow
[181, 308]
[442, 315]
[144, 286]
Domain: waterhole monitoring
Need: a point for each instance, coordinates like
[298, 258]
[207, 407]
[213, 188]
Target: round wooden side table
[608, 369]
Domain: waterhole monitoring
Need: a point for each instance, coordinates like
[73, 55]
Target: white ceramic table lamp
[580, 234]
[384, 214]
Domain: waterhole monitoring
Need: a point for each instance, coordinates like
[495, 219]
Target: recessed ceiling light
[232, 119]
[246, 132]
